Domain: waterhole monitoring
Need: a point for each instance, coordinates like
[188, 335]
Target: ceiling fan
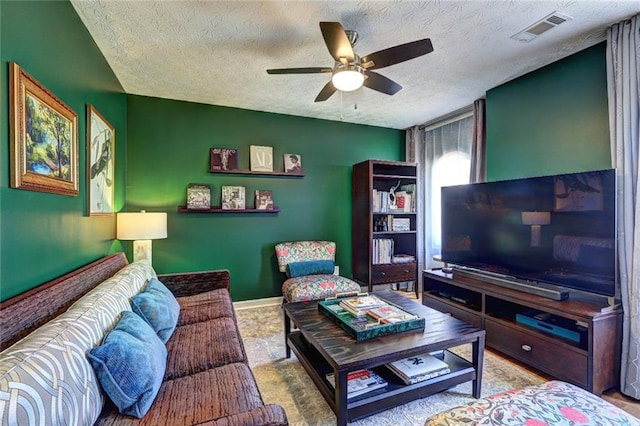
[351, 71]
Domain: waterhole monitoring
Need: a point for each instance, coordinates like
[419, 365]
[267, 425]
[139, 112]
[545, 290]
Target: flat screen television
[558, 230]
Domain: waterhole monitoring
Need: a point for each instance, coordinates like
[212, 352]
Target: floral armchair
[309, 266]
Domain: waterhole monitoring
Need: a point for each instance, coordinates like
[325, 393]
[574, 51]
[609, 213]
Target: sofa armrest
[267, 415]
[190, 283]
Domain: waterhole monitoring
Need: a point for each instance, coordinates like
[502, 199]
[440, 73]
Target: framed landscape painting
[43, 135]
[100, 164]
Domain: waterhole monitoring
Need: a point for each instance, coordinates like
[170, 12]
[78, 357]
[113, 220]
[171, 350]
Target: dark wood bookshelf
[381, 175]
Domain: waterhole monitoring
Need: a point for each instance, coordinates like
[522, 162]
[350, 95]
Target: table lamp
[536, 219]
[141, 227]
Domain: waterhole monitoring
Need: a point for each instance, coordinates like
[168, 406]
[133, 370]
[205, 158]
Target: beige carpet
[284, 381]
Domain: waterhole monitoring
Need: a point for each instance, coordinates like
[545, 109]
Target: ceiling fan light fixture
[347, 80]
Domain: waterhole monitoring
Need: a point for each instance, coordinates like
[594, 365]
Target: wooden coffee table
[322, 347]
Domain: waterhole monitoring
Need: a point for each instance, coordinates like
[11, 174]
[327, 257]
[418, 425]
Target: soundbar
[532, 287]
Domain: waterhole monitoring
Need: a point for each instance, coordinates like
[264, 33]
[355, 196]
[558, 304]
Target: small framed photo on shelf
[233, 198]
[261, 158]
[292, 163]
[264, 199]
[198, 197]
[223, 159]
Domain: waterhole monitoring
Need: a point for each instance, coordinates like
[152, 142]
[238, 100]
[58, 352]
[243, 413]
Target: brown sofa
[45, 334]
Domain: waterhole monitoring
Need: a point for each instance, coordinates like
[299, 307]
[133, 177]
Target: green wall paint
[553, 120]
[168, 148]
[46, 235]
[549, 121]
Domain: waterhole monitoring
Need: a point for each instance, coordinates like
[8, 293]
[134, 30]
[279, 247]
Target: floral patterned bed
[551, 403]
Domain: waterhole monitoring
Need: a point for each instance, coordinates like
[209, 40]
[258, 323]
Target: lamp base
[142, 251]
[535, 235]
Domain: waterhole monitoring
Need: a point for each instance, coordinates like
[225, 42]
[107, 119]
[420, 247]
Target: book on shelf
[360, 382]
[403, 258]
[418, 368]
[400, 223]
[224, 159]
[292, 163]
[382, 250]
[264, 199]
[261, 158]
[198, 196]
[233, 198]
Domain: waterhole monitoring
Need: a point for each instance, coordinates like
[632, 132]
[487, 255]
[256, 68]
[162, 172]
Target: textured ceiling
[216, 52]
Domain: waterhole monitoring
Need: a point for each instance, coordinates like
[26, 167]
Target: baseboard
[258, 303]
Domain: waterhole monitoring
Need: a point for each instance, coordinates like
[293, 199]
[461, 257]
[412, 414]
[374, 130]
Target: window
[452, 168]
[447, 162]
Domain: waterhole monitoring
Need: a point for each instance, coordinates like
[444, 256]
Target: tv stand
[531, 287]
[592, 362]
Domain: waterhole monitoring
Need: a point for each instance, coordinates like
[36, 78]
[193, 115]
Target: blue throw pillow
[130, 364]
[310, 267]
[157, 306]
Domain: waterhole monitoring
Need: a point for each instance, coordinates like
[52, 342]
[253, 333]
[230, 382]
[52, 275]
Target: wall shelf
[252, 173]
[216, 209]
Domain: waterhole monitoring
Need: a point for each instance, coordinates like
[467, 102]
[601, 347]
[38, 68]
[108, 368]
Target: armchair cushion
[310, 267]
[316, 287]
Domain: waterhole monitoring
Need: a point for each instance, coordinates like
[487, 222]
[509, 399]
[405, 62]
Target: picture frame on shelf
[43, 135]
[223, 159]
[261, 158]
[198, 196]
[264, 199]
[292, 163]
[233, 198]
[100, 164]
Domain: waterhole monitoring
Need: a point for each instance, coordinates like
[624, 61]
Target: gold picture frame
[101, 140]
[43, 137]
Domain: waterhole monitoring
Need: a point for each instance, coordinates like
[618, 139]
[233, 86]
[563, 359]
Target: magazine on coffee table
[418, 368]
[360, 382]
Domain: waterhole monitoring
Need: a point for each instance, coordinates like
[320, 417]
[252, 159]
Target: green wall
[553, 120]
[549, 121]
[45, 235]
[168, 148]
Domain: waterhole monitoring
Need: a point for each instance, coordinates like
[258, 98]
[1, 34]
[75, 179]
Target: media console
[591, 360]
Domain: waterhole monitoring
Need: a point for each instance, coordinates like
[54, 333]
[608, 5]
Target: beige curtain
[623, 84]
[479, 143]
[414, 152]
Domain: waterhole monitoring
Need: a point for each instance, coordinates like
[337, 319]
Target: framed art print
[43, 137]
[100, 164]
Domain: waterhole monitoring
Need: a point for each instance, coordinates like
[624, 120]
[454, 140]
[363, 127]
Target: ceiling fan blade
[298, 70]
[397, 54]
[381, 83]
[337, 41]
[326, 92]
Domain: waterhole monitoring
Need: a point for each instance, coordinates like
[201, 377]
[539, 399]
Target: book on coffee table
[418, 368]
[360, 382]
[389, 314]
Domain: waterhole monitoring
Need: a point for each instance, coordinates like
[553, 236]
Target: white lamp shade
[141, 226]
[536, 218]
[347, 80]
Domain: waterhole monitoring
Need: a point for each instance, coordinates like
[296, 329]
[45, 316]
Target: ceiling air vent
[542, 26]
